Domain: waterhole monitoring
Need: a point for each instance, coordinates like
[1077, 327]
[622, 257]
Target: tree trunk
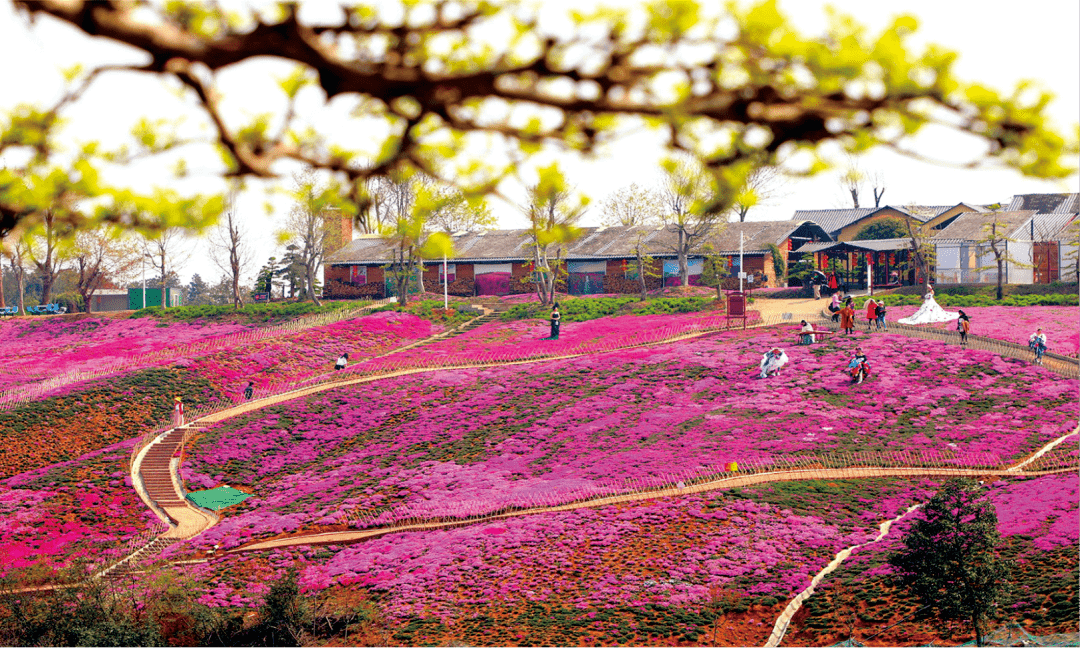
[1000, 267]
[855, 197]
[976, 623]
[164, 283]
[310, 272]
[3, 304]
[20, 287]
[684, 270]
[641, 275]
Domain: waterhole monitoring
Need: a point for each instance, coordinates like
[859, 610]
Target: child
[1037, 343]
[880, 316]
[963, 325]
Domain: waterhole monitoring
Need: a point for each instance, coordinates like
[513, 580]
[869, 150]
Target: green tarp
[218, 498]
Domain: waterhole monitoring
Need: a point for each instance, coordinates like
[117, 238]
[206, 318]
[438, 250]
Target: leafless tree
[763, 184]
[170, 251]
[638, 209]
[230, 250]
[921, 251]
[45, 251]
[98, 256]
[996, 238]
[689, 212]
[16, 254]
[310, 224]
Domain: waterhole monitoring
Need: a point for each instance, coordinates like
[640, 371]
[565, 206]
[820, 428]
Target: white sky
[999, 44]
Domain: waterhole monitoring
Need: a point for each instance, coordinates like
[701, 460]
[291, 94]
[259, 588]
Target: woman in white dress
[929, 312]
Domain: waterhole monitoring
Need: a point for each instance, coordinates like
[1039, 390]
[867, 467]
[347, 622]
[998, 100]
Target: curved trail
[195, 521]
[784, 620]
[347, 537]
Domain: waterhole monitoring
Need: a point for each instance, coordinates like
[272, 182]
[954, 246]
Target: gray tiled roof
[834, 220]
[969, 226]
[1050, 227]
[1046, 203]
[594, 243]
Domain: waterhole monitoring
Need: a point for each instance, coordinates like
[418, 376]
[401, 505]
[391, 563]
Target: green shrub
[972, 300]
[254, 313]
[583, 310]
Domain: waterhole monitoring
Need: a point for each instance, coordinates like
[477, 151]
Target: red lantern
[892, 259]
[869, 257]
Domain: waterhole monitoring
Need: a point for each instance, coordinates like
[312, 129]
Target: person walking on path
[555, 320]
[847, 319]
[834, 306]
[879, 316]
[1037, 343]
[963, 326]
[178, 412]
[871, 313]
[816, 280]
[249, 390]
[806, 334]
[342, 361]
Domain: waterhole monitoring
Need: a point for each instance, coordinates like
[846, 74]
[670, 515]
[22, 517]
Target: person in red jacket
[871, 313]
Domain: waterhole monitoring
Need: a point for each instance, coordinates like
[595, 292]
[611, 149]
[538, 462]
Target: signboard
[260, 297]
[358, 275]
[736, 304]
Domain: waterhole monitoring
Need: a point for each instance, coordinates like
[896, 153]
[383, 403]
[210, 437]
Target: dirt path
[784, 620]
[346, 537]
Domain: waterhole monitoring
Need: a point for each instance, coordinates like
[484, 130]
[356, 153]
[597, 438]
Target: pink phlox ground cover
[1042, 508]
[468, 442]
[35, 350]
[1015, 323]
[298, 356]
[633, 554]
[525, 339]
[49, 518]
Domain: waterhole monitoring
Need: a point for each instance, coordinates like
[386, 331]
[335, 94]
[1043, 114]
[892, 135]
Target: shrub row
[582, 310]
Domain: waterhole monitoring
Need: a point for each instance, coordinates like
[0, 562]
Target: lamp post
[445, 284]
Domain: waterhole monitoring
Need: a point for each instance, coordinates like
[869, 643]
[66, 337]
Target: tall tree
[16, 254]
[553, 208]
[922, 254]
[46, 250]
[950, 559]
[315, 210]
[690, 204]
[727, 86]
[198, 292]
[230, 250]
[99, 256]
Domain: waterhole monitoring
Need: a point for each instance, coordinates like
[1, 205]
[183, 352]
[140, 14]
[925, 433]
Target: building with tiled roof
[845, 224]
[600, 259]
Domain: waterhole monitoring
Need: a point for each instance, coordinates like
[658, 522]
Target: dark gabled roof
[879, 245]
[757, 235]
[1046, 203]
[594, 243]
[834, 220]
[969, 225]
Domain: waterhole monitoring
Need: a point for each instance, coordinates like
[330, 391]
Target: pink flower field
[37, 349]
[82, 511]
[471, 441]
[1015, 324]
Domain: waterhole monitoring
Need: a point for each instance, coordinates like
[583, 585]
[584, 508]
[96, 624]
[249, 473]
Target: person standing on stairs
[178, 412]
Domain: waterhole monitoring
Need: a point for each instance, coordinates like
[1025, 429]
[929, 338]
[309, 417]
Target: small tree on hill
[949, 559]
[996, 238]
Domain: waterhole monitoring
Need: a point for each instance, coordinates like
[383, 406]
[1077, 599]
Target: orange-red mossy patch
[60, 428]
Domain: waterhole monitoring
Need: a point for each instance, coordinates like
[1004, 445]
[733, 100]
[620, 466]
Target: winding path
[163, 491]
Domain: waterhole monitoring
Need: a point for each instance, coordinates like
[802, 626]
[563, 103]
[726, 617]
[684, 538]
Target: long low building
[600, 260]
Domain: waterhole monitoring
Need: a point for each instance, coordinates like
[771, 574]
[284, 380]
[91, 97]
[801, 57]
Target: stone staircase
[154, 470]
[471, 324]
